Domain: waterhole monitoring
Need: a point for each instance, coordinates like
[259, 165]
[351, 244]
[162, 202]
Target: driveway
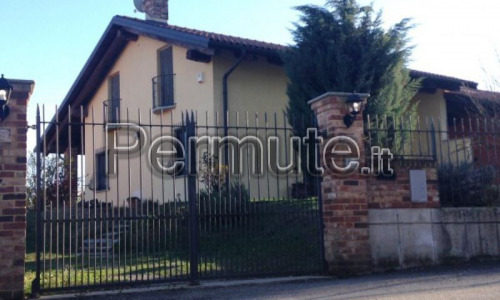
[473, 281]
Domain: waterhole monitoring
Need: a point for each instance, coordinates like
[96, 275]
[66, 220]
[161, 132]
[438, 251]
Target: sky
[49, 41]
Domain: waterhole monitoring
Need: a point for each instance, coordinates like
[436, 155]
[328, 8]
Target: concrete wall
[404, 238]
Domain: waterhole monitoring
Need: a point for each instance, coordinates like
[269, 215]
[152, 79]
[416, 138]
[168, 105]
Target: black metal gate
[98, 228]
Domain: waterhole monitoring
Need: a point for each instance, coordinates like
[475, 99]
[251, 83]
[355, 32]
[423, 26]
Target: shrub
[467, 185]
[222, 202]
[215, 198]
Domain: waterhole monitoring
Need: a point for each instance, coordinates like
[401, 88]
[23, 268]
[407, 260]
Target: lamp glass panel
[356, 106]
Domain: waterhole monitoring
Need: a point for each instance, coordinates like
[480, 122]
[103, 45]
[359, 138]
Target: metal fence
[139, 226]
[464, 151]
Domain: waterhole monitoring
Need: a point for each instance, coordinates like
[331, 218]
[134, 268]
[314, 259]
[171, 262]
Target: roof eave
[274, 56]
[84, 73]
[116, 25]
[433, 81]
[162, 33]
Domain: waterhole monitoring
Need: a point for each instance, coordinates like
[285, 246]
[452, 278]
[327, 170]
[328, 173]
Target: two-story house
[150, 72]
[162, 71]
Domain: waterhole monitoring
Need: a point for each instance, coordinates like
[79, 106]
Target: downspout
[225, 104]
[225, 96]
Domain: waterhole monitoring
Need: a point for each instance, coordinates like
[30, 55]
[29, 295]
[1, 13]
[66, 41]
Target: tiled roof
[475, 94]
[216, 37]
[416, 73]
[259, 45]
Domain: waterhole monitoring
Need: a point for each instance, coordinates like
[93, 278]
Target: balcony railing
[112, 111]
[163, 91]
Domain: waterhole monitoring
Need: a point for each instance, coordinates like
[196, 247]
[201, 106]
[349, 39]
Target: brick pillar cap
[336, 94]
[22, 86]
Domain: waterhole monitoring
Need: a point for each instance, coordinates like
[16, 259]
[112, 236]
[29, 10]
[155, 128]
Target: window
[163, 84]
[113, 103]
[101, 178]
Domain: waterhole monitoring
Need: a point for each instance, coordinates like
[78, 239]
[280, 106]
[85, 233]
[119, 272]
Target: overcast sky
[49, 41]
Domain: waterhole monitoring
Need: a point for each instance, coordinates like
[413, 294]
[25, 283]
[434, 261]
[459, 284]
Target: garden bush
[467, 185]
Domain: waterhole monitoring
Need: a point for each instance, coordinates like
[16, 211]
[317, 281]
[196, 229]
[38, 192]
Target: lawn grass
[142, 269]
[30, 271]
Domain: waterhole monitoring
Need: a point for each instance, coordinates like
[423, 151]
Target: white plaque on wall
[418, 186]
[5, 135]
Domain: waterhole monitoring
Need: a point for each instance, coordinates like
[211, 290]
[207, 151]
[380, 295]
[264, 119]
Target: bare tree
[55, 179]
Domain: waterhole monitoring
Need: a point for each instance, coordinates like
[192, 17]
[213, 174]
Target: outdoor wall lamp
[5, 91]
[354, 103]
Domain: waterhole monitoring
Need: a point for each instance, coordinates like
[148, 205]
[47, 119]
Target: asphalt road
[473, 281]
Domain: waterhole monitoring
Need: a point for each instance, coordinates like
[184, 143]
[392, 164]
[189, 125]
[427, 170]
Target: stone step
[99, 242]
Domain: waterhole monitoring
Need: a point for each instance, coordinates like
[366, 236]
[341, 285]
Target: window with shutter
[166, 78]
[113, 104]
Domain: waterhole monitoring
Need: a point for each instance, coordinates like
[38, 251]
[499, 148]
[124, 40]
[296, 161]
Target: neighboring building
[463, 117]
[474, 114]
[164, 70]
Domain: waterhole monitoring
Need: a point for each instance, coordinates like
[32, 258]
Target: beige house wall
[255, 87]
[257, 91]
[432, 108]
[137, 65]
[432, 111]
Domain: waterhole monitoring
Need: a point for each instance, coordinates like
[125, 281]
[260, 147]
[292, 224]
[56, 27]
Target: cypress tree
[343, 47]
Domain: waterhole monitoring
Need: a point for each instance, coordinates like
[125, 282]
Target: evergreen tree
[343, 47]
[390, 113]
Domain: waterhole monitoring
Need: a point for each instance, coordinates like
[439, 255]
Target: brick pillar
[345, 199]
[13, 192]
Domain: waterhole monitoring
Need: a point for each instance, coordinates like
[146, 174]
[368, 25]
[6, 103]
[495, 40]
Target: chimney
[156, 10]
